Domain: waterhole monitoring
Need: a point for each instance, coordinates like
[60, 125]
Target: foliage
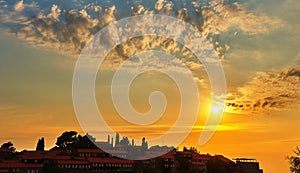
[73, 141]
[67, 139]
[295, 161]
[192, 149]
[84, 142]
[8, 145]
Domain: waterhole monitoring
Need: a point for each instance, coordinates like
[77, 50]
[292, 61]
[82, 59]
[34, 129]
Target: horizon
[149, 148]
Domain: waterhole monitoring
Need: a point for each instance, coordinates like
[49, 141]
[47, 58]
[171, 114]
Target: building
[6, 153]
[111, 165]
[245, 165]
[86, 161]
[111, 161]
[92, 153]
[15, 166]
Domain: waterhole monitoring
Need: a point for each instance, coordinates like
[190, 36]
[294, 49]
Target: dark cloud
[267, 91]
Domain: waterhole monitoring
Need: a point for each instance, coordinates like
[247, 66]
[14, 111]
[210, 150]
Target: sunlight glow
[216, 109]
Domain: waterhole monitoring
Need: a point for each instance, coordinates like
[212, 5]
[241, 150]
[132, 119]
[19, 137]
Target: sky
[257, 42]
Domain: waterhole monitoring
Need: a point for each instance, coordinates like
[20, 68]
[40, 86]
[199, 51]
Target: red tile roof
[62, 157]
[72, 162]
[17, 164]
[184, 152]
[169, 155]
[224, 159]
[91, 151]
[202, 156]
[5, 150]
[108, 160]
[79, 158]
[52, 154]
[28, 155]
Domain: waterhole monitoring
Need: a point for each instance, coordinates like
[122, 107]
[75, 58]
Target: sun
[216, 109]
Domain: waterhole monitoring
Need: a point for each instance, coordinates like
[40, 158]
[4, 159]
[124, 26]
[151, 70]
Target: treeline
[69, 139]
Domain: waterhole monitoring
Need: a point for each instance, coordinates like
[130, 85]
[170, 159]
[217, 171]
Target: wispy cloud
[219, 18]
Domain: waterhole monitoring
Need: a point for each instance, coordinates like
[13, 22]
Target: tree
[67, 139]
[9, 145]
[185, 148]
[40, 146]
[84, 142]
[194, 150]
[295, 161]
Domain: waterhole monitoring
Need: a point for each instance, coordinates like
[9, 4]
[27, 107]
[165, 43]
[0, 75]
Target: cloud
[55, 12]
[67, 31]
[228, 127]
[139, 10]
[182, 14]
[159, 4]
[13, 17]
[267, 91]
[19, 6]
[220, 17]
[108, 16]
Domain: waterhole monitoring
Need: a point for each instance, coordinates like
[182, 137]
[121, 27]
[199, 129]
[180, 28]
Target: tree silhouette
[295, 161]
[67, 139]
[9, 145]
[194, 150]
[40, 145]
[84, 142]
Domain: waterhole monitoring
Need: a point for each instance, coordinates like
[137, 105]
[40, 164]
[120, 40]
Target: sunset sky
[257, 42]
